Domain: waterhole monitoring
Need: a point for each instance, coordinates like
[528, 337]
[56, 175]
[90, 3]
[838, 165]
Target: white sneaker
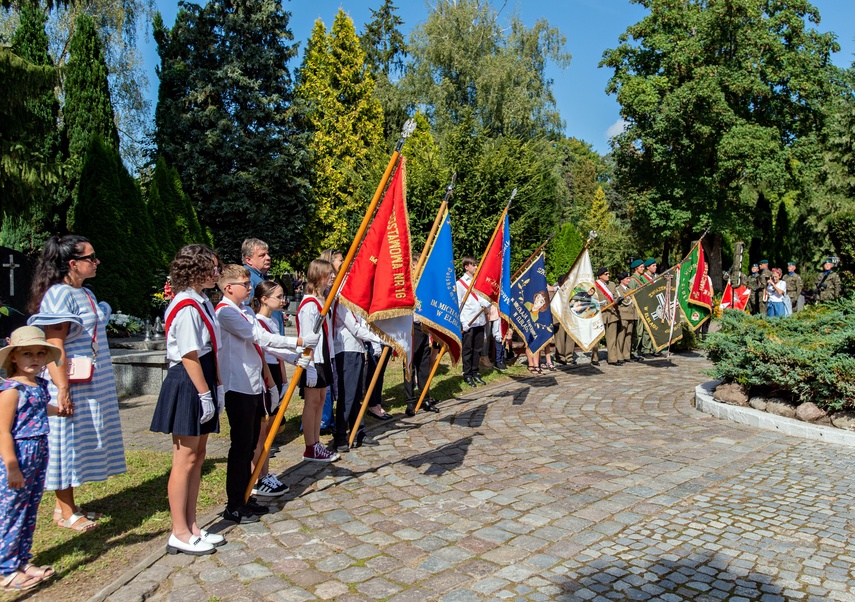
[270, 486]
[195, 547]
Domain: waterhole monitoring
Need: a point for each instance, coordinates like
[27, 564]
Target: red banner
[702, 291]
[735, 298]
[489, 281]
[379, 284]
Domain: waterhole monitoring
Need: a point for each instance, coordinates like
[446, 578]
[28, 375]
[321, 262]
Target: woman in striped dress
[85, 441]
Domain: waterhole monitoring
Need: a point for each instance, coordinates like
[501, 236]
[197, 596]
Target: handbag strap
[94, 342]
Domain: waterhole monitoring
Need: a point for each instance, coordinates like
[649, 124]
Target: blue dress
[19, 507]
[88, 445]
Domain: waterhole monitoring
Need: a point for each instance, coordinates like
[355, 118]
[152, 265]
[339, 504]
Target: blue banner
[504, 296]
[530, 314]
[436, 297]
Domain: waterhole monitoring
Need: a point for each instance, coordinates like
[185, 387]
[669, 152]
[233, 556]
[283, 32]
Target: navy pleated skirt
[178, 407]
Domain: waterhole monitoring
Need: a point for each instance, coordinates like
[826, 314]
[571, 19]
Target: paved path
[587, 485]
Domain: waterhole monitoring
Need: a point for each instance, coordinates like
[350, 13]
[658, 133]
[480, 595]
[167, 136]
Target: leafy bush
[810, 355]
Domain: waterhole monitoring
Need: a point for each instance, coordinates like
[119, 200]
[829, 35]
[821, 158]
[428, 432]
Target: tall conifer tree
[26, 228]
[346, 122]
[225, 121]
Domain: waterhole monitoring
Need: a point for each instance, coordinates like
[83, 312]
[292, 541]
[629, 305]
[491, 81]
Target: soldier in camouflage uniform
[794, 285]
[763, 277]
[828, 286]
[751, 283]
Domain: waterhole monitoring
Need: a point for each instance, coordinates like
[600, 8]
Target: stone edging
[704, 402]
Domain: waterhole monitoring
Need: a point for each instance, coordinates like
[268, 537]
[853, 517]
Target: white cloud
[618, 127]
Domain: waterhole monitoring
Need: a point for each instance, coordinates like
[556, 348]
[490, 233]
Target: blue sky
[591, 26]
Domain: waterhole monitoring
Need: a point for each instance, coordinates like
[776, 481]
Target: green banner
[659, 310]
[693, 314]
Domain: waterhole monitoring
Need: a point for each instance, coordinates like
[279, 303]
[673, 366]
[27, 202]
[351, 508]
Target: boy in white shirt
[246, 379]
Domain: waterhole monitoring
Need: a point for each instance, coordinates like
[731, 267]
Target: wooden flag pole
[433, 369]
[465, 296]
[409, 128]
[385, 353]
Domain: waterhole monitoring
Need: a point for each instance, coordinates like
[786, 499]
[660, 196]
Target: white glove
[304, 360]
[311, 376]
[207, 406]
[275, 397]
[221, 398]
[311, 340]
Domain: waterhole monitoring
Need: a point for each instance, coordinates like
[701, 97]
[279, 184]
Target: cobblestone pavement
[587, 484]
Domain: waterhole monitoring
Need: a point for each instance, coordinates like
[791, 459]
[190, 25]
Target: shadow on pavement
[700, 575]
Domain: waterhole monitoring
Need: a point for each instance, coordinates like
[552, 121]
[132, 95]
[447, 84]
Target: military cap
[636, 263]
[622, 275]
[762, 261]
[649, 262]
[791, 262]
[601, 271]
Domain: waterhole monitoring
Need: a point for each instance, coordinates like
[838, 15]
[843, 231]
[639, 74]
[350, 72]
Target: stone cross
[11, 265]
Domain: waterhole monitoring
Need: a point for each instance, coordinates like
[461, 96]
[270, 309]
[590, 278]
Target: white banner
[575, 304]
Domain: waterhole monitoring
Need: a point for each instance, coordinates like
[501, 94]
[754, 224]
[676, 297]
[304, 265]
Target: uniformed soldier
[751, 283]
[606, 294]
[636, 280]
[626, 310]
[828, 286]
[763, 278]
[794, 285]
[644, 346]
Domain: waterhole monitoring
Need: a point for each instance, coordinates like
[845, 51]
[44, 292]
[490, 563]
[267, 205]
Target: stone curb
[704, 402]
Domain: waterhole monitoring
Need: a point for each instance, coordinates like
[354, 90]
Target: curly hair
[192, 265]
[53, 265]
[265, 288]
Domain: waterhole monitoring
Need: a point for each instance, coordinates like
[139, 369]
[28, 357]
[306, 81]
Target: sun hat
[27, 336]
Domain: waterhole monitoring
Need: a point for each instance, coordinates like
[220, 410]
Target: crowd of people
[775, 293]
[59, 416]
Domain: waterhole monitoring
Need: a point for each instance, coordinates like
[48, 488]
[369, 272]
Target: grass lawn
[135, 506]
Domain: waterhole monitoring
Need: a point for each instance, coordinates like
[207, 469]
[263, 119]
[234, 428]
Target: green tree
[427, 178]
[346, 123]
[562, 251]
[88, 110]
[27, 228]
[385, 54]
[610, 247]
[464, 59]
[24, 171]
[718, 95]
[226, 121]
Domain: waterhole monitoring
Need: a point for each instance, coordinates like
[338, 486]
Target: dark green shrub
[810, 355]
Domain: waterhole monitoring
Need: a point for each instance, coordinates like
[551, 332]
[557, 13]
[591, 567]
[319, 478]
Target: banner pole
[408, 129]
[374, 378]
[489, 244]
[423, 392]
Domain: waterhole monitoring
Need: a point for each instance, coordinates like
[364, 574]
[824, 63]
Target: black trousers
[421, 366]
[350, 392]
[473, 342]
[244, 413]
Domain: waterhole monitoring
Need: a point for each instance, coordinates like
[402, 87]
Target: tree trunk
[712, 252]
[665, 262]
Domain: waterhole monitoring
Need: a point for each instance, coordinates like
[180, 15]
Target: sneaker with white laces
[269, 486]
[319, 453]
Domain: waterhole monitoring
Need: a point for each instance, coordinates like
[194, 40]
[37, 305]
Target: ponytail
[53, 266]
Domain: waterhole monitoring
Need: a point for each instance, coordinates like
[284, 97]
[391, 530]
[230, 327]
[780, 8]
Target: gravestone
[16, 275]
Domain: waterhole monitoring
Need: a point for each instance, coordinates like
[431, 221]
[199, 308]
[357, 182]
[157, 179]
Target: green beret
[636, 263]
[828, 260]
[763, 261]
[650, 261]
[791, 263]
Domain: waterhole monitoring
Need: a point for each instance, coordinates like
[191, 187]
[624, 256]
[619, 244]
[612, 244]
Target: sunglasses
[246, 285]
[91, 257]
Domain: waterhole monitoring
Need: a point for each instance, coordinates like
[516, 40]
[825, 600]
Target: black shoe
[258, 509]
[240, 515]
[620, 363]
[429, 407]
[411, 410]
[479, 380]
[469, 381]
[362, 438]
[637, 358]
[501, 367]
[595, 362]
[341, 447]
[658, 354]
[560, 361]
[433, 400]
[384, 416]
